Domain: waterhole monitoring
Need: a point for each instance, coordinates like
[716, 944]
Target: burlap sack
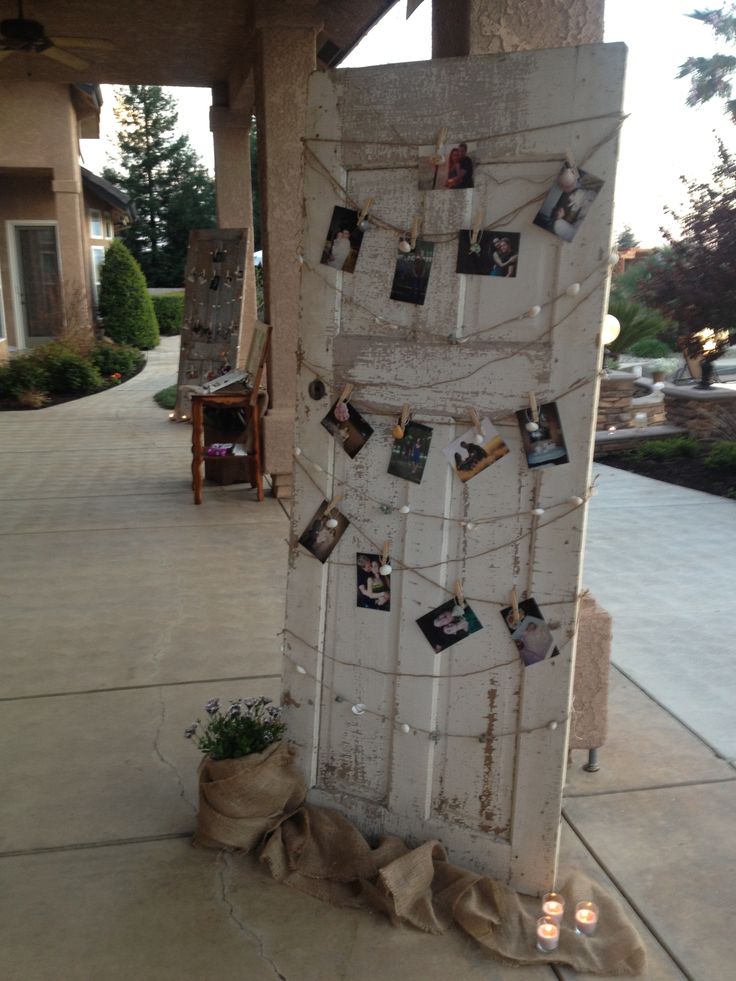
[240, 800]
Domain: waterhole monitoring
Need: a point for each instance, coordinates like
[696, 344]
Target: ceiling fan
[19, 34]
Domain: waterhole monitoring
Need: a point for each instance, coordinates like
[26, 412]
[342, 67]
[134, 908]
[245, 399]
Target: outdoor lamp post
[707, 345]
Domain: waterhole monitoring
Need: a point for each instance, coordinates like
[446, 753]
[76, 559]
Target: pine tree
[627, 239]
[126, 307]
[161, 172]
[711, 77]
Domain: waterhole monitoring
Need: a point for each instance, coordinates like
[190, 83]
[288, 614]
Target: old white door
[465, 745]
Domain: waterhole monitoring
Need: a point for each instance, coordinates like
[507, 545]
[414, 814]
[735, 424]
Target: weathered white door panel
[482, 765]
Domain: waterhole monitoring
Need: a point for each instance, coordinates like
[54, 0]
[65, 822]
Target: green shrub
[67, 373]
[125, 305]
[665, 449]
[166, 398]
[649, 347]
[111, 358]
[169, 309]
[22, 373]
[721, 456]
[637, 323]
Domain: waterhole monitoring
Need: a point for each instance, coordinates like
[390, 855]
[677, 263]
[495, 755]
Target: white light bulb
[386, 569]
[297, 451]
[479, 438]
[470, 525]
[318, 468]
[613, 258]
[184, 418]
[552, 725]
[611, 430]
[538, 511]
[405, 728]
[358, 709]
[364, 225]
[331, 523]
[531, 427]
[172, 415]
[573, 289]
[300, 257]
[404, 246]
[533, 312]
[300, 669]
[404, 509]
[658, 386]
[577, 501]
[611, 329]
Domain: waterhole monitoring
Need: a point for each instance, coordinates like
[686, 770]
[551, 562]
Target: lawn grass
[166, 398]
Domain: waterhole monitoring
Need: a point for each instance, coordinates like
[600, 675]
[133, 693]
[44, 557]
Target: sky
[661, 140]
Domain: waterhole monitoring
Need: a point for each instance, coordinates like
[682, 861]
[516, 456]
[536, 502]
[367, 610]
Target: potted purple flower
[247, 777]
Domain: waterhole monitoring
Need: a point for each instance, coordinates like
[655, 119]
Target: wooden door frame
[14, 262]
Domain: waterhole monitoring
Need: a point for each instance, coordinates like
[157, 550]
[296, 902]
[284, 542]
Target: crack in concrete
[163, 759]
[224, 867]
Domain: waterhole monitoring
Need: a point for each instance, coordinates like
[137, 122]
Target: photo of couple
[446, 626]
[343, 241]
[374, 590]
[455, 172]
[492, 254]
[468, 457]
[567, 204]
[531, 635]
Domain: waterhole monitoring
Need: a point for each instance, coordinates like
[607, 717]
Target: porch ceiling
[176, 42]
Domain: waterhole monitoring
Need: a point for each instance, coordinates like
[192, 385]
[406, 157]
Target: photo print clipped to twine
[344, 238]
[448, 624]
[324, 531]
[373, 588]
[531, 635]
[565, 207]
[447, 169]
[348, 426]
[492, 253]
[409, 453]
[411, 276]
[475, 450]
[545, 445]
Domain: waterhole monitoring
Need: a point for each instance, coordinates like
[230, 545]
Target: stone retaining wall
[704, 413]
[620, 400]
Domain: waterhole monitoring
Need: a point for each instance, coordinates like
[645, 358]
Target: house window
[109, 231]
[98, 257]
[95, 223]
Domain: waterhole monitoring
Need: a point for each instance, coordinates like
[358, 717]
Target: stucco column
[231, 139]
[285, 58]
[495, 26]
[72, 239]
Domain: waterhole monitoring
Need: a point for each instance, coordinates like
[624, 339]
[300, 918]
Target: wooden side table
[245, 399]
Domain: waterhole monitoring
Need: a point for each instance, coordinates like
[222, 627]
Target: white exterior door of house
[37, 287]
[402, 733]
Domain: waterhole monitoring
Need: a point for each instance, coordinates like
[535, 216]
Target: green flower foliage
[665, 449]
[22, 373]
[169, 309]
[247, 726]
[67, 373]
[650, 347]
[721, 456]
[125, 305]
[109, 358]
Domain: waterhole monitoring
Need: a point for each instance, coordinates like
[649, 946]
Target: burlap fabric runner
[320, 852]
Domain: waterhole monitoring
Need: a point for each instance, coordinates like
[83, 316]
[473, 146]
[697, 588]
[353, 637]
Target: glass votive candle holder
[548, 933]
[586, 918]
[553, 906]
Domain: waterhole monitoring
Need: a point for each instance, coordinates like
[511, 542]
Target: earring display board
[435, 573]
[213, 309]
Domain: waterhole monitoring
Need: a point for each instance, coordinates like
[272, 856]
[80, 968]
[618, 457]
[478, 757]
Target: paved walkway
[125, 607]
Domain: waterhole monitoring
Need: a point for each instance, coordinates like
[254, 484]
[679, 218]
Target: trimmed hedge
[125, 304]
[111, 358]
[169, 309]
[22, 374]
[650, 347]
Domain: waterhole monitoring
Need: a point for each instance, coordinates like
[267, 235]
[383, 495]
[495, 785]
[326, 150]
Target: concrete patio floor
[125, 607]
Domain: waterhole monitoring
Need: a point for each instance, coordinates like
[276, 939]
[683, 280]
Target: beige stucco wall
[39, 135]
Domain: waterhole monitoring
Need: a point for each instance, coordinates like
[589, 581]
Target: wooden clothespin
[459, 608]
[533, 406]
[346, 393]
[515, 618]
[400, 428]
[438, 157]
[414, 232]
[332, 505]
[365, 209]
[475, 419]
[570, 161]
[475, 232]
